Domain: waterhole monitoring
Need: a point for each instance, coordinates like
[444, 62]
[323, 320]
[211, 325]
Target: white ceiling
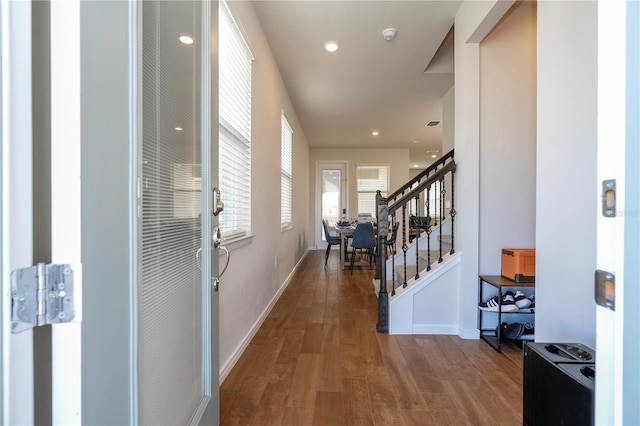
[394, 87]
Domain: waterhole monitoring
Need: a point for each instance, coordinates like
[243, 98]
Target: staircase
[422, 276]
[417, 307]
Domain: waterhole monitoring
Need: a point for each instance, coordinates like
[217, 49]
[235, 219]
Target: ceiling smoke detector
[389, 33]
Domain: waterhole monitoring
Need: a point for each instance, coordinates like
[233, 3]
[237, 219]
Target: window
[234, 160]
[371, 178]
[432, 198]
[286, 177]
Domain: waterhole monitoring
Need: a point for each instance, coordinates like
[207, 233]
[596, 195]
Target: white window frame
[234, 159]
[360, 190]
[286, 174]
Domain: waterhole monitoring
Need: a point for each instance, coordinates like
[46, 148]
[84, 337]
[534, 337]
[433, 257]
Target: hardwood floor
[318, 360]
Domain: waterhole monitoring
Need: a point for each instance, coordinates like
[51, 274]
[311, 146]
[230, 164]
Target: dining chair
[391, 242]
[363, 238]
[332, 240]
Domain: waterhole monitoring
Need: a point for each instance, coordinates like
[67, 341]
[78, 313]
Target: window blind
[286, 180]
[234, 159]
[370, 179]
[170, 286]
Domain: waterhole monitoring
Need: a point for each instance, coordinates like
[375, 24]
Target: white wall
[508, 137]
[567, 191]
[258, 271]
[448, 120]
[473, 21]
[397, 159]
[430, 314]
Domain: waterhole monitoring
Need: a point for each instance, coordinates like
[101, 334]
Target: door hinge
[40, 295]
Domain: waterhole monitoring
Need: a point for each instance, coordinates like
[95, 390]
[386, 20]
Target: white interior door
[331, 196]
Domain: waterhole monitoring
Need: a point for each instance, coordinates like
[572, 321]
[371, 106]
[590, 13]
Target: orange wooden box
[519, 265]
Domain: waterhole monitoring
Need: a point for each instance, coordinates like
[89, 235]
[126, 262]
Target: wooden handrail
[415, 192]
[422, 174]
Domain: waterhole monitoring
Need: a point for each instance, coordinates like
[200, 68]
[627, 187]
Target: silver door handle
[216, 241]
[215, 281]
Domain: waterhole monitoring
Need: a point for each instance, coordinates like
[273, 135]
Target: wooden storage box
[519, 265]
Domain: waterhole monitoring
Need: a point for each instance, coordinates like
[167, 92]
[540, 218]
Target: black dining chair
[365, 239]
[391, 242]
[332, 240]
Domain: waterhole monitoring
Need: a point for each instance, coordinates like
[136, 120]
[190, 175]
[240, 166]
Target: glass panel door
[331, 204]
[331, 196]
[172, 389]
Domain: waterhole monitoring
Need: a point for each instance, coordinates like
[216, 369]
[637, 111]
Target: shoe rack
[487, 287]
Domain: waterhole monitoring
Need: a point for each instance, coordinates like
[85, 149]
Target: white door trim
[610, 231]
[65, 204]
[16, 350]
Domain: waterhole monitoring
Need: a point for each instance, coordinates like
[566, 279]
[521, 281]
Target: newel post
[381, 264]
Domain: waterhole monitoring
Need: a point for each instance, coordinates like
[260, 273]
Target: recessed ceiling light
[186, 39]
[434, 155]
[375, 133]
[179, 129]
[415, 166]
[331, 46]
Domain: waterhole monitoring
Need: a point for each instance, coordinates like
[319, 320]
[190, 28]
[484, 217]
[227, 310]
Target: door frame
[16, 350]
[320, 166]
[618, 241]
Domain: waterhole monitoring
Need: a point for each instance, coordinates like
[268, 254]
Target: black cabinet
[559, 381]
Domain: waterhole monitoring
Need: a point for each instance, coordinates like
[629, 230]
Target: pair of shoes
[521, 300]
[514, 330]
[494, 304]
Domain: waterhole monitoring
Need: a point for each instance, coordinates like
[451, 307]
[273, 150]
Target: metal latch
[218, 205]
[606, 289]
[41, 295]
[609, 198]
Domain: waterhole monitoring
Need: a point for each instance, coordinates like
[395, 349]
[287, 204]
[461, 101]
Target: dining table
[344, 232]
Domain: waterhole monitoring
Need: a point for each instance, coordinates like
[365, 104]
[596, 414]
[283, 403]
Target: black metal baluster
[428, 230]
[440, 209]
[393, 254]
[404, 243]
[452, 212]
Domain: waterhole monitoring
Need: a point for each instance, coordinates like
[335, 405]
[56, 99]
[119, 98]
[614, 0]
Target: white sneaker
[508, 304]
[521, 300]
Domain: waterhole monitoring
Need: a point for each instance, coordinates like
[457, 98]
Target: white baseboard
[469, 333]
[447, 329]
[439, 329]
[225, 369]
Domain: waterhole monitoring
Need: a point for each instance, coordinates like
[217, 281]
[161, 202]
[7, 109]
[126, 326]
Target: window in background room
[286, 177]
[371, 178]
[432, 200]
[234, 159]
